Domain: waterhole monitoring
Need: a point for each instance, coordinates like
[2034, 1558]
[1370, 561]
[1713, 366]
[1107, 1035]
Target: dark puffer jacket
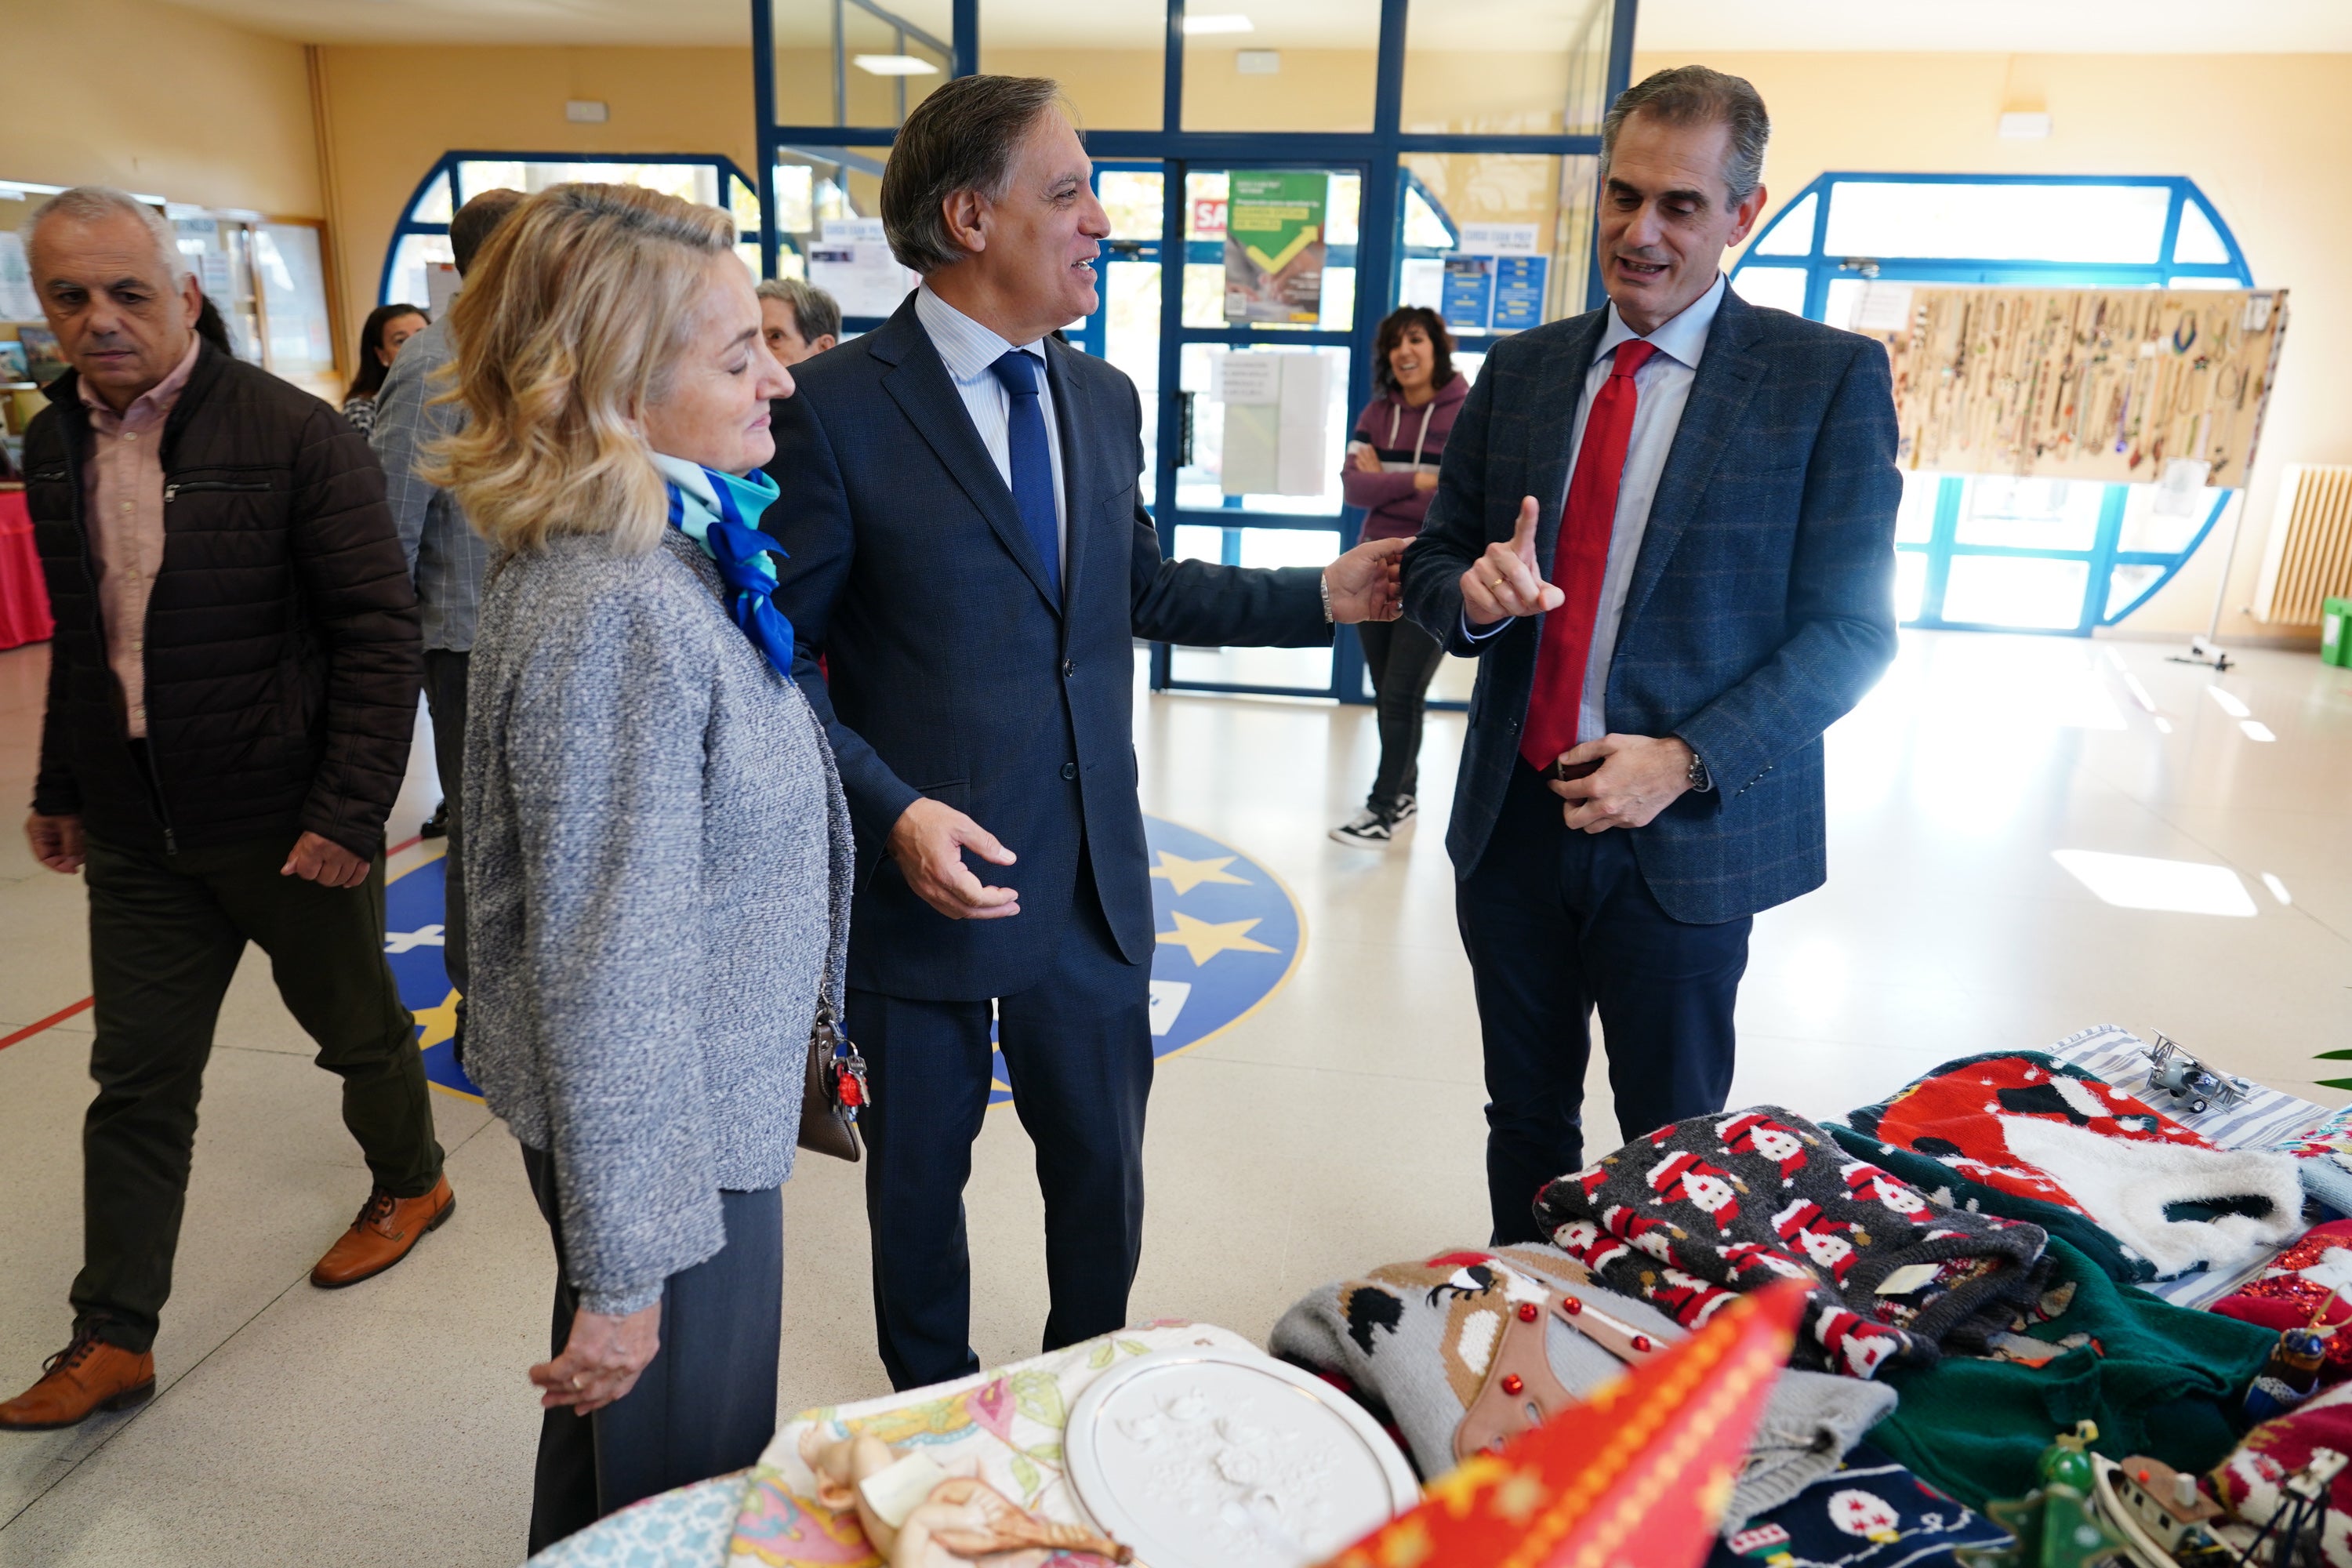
[281, 641]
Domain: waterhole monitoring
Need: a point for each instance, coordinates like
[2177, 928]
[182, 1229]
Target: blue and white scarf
[720, 512]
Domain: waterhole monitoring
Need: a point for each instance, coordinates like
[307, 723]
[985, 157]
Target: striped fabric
[2267, 1119]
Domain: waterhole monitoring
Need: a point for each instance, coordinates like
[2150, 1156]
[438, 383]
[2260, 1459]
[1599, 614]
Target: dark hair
[1392, 332]
[816, 313]
[212, 329]
[962, 137]
[373, 369]
[1694, 95]
[474, 222]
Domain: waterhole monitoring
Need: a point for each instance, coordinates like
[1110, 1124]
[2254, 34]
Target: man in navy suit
[969, 554]
[1665, 528]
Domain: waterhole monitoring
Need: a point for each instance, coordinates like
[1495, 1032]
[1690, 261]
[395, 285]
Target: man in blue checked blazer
[1665, 528]
[969, 557]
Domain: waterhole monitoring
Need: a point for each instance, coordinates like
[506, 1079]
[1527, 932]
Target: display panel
[1513, 67]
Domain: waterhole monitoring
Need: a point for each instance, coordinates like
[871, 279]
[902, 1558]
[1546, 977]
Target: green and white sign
[1273, 245]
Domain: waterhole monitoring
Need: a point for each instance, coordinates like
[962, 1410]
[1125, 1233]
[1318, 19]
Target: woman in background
[387, 327]
[1391, 471]
[658, 852]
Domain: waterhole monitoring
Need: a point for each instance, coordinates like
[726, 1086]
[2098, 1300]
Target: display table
[24, 597]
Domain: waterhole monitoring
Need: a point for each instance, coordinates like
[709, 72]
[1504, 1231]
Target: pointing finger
[1523, 540]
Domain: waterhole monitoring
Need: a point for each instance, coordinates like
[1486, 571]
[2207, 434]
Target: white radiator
[2309, 557]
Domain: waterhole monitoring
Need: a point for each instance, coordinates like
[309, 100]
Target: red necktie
[1581, 560]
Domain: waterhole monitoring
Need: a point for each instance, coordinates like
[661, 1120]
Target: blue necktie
[1033, 461]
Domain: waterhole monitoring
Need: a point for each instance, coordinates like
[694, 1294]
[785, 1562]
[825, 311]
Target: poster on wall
[1469, 301]
[1520, 292]
[851, 262]
[19, 302]
[2113, 385]
[1273, 246]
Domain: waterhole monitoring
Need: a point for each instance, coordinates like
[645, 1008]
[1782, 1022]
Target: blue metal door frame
[1376, 155]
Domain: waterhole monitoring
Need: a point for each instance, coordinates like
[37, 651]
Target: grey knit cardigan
[657, 869]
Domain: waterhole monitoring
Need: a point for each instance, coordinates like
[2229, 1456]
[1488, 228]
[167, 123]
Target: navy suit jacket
[1761, 606]
[953, 674]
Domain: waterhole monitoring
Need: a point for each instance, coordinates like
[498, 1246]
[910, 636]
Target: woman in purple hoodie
[1391, 471]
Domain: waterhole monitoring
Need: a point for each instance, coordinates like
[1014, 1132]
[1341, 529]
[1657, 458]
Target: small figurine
[2192, 1086]
[2292, 1372]
[2054, 1525]
[2164, 1505]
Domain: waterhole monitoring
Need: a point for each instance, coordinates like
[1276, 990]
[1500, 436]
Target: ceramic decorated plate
[1218, 1458]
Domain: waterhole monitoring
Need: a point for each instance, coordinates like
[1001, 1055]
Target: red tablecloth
[24, 597]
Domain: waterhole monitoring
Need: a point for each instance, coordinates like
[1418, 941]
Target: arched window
[1986, 552]
[421, 241]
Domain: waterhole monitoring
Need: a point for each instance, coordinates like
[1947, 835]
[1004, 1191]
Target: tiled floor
[1337, 1127]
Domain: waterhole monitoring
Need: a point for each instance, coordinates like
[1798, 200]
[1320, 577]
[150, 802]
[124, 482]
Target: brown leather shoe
[384, 1233]
[88, 1375]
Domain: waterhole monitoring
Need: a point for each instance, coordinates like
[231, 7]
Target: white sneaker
[1405, 807]
[1368, 829]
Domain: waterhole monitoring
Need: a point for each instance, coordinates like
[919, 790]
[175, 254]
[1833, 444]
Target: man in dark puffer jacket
[232, 689]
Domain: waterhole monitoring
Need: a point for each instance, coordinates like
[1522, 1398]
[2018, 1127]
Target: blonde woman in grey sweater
[657, 846]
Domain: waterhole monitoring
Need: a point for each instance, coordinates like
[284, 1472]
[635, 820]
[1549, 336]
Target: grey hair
[963, 137]
[96, 204]
[1694, 95]
[815, 313]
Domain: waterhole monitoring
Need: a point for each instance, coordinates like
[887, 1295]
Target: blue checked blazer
[1761, 606]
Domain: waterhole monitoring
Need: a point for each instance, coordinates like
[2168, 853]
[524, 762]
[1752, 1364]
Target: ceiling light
[2143, 882]
[1219, 22]
[894, 65]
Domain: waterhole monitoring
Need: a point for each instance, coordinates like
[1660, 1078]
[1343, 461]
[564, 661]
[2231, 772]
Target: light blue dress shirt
[1661, 389]
[969, 348]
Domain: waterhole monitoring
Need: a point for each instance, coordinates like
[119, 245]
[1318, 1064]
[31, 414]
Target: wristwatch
[1325, 583]
[1696, 775]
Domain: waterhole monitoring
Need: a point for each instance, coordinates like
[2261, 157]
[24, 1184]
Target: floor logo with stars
[1230, 934]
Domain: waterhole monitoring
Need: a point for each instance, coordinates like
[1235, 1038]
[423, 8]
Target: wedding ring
[576, 1381]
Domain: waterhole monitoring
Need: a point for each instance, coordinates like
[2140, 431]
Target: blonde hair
[568, 323]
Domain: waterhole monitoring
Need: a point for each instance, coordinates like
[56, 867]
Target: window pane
[1910, 583]
[744, 203]
[1306, 670]
[2016, 591]
[904, 61]
[1503, 67]
[696, 182]
[1279, 64]
[2032, 514]
[433, 206]
[1131, 342]
[1133, 198]
[1791, 233]
[2145, 529]
[1270, 456]
[409, 284]
[2198, 240]
[1106, 54]
[294, 299]
[1915, 519]
[1779, 288]
[1841, 299]
[1525, 220]
[2129, 583]
[1998, 222]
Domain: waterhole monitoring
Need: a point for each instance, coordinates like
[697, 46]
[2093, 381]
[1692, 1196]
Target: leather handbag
[835, 1090]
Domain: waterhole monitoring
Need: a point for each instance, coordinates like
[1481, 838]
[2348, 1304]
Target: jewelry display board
[2105, 385]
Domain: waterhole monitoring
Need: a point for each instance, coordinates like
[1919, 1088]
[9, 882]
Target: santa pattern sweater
[1705, 1209]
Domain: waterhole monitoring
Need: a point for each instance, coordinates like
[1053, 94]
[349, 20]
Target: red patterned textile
[24, 597]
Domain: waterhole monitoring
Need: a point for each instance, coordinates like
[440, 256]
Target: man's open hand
[1639, 777]
[1364, 583]
[325, 862]
[928, 840]
[56, 841]
[1504, 583]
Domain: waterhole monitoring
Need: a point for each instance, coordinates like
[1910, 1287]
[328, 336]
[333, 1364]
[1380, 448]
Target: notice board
[2105, 385]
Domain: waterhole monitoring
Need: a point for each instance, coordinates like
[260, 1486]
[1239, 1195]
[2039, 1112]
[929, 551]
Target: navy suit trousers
[1557, 923]
[1077, 1052]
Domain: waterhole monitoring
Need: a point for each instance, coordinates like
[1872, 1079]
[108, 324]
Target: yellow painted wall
[2267, 137]
[157, 100]
[392, 111]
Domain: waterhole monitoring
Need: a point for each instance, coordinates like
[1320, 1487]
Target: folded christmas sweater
[1705, 1209]
[1420, 1343]
[2250, 1483]
[2159, 1380]
[2309, 1283]
[2150, 1199]
[1869, 1512]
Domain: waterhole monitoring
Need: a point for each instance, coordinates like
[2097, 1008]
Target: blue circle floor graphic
[1230, 935]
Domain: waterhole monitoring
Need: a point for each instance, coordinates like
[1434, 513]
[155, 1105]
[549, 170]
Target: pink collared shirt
[124, 486]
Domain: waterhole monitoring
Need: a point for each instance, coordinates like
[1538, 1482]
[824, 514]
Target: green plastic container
[2336, 632]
